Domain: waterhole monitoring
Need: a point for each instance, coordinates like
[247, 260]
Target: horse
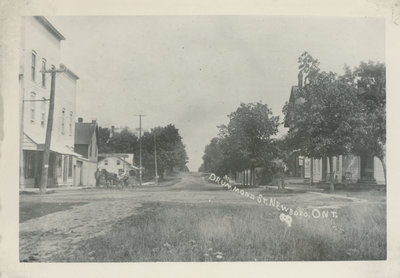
[109, 178]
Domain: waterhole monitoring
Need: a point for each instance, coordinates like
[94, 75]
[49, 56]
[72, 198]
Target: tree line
[171, 152]
[332, 115]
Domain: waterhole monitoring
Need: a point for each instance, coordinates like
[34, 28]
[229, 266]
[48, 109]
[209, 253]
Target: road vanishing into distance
[93, 212]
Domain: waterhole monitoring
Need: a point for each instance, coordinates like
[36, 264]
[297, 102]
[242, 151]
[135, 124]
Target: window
[43, 73]
[59, 164]
[33, 106]
[42, 120]
[70, 123]
[118, 162]
[120, 171]
[43, 114]
[70, 167]
[63, 121]
[29, 164]
[90, 150]
[33, 65]
[52, 164]
[106, 162]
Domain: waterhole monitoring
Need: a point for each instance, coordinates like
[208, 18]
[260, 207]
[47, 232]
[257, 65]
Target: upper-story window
[43, 73]
[43, 115]
[33, 65]
[63, 121]
[70, 123]
[42, 120]
[118, 162]
[106, 162]
[33, 106]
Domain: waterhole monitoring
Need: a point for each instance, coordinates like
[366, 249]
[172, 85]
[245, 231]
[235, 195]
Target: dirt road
[42, 237]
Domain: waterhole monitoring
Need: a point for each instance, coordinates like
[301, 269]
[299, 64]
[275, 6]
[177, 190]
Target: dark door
[367, 167]
[78, 173]
[65, 172]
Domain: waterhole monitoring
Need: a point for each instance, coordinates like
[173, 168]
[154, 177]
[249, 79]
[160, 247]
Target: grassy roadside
[30, 210]
[221, 232]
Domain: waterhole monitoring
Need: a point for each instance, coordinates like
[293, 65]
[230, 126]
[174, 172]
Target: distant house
[86, 135]
[117, 163]
[366, 169]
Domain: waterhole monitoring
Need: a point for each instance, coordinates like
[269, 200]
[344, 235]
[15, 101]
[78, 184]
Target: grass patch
[281, 192]
[218, 232]
[30, 210]
[36, 192]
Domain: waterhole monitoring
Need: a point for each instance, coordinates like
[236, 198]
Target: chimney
[300, 79]
[80, 120]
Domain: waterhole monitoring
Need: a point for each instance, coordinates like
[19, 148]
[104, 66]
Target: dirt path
[42, 237]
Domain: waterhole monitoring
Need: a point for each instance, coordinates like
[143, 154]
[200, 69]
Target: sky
[193, 71]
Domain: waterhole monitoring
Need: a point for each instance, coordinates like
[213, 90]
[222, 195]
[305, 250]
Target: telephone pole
[140, 149]
[155, 159]
[46, 152]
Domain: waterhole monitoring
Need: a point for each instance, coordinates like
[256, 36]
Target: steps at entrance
[296, 180]
[367, 181]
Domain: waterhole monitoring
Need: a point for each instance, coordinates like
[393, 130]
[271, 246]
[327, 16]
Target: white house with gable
[118, 163]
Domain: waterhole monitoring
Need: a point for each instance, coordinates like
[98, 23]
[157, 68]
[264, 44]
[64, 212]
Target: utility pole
[155, 159]
[140, 149]
[21, 132]
[46, 152]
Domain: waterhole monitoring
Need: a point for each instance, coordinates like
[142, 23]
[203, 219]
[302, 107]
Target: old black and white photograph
[208, 138]
[202, 138]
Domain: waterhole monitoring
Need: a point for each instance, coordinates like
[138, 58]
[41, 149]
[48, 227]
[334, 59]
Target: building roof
[68, 71]
[294, 99]
[126, 155]
[293, 96]
[36, 144]
[49, 27]
[84, 133]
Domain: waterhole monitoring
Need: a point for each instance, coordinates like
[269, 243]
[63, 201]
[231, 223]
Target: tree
[120, 142]
[103, 140]
[338, 115]
[123, 142]
[171, 152]
[248, 139]
[370, 136]
[245, 142]
[213, 158]
[326, 116]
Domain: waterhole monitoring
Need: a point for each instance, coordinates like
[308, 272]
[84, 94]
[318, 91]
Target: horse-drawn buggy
[112, 180]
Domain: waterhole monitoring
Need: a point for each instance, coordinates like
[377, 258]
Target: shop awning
[32, 144]
[59, 149]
